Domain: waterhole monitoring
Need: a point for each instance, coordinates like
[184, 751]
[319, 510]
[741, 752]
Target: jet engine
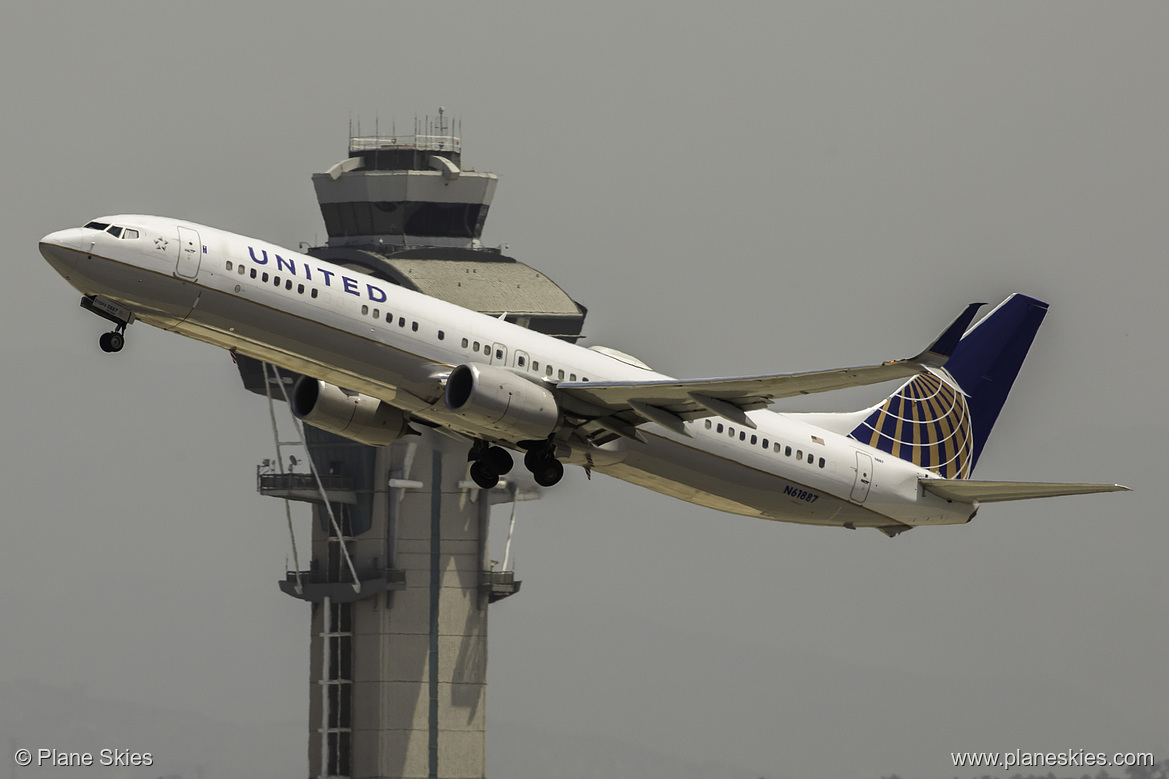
[494, 398]
[350, 414]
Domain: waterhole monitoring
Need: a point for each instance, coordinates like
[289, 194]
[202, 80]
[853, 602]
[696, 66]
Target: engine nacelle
[493, 398]
[350, 414]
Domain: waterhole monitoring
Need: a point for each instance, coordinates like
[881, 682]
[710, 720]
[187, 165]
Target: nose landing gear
[114, 340]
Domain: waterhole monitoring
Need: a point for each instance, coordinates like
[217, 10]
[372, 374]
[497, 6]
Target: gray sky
[763, 187]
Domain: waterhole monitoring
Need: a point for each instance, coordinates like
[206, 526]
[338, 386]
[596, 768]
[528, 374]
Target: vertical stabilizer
[942, 419]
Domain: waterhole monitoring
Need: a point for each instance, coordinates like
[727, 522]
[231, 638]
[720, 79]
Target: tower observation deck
[406, 209]
[405, 190]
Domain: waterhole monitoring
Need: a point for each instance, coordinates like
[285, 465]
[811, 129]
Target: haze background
[747, 188]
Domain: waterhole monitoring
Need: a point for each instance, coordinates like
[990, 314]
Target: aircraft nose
[63, 239]
[56, 247]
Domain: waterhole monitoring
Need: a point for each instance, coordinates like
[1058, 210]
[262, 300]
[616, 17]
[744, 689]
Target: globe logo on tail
[926, 422]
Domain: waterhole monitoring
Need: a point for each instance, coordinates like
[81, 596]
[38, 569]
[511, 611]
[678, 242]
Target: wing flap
[969, 491]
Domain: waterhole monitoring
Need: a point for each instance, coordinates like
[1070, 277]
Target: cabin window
[708, 424]
[821, 462]
[464, 343]
[799, 454]
[548, 370]
[276, 281]
[230, 266]
[242, 270]
[364, 310]
[777, 447]
[288, 284]
[765, 443]
[441, 335]
[314, 292]
[742, 435]
[115, 231]
[520, 361]
[584, 378]
[476, 347]
[730, 431]
[300, 289]
[754, 440]
[401, 321]
[720, 427]
[487, 349]
[414, 326]
[536, 365]
[811, 458]
[253, 273]
[787, 452]
[572, 377]
[560, 374]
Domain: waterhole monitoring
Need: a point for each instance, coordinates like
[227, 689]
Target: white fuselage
[362, 333]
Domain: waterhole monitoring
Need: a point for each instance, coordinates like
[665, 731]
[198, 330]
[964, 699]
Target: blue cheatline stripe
[435, 575]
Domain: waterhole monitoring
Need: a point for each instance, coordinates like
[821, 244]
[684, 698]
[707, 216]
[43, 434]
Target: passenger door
[190, 254]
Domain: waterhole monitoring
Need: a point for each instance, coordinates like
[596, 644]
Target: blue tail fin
[941, 420]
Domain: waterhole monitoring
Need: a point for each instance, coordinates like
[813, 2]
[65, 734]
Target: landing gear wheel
[533, 458]
[548, 472]
[498, 460]
[112, 341]
[484, 476]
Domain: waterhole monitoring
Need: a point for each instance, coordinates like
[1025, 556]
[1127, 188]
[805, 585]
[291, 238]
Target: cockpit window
[115, 230]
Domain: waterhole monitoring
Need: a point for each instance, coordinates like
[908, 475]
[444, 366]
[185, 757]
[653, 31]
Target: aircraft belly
[297, 343]
[717, 482]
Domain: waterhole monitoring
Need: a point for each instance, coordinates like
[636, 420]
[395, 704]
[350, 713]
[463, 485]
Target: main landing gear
[545, 468]
[488, 463]
[114, 340]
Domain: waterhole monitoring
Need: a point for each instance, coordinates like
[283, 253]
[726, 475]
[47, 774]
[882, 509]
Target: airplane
[377, 360]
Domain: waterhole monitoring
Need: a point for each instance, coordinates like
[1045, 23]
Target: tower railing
[420, 142]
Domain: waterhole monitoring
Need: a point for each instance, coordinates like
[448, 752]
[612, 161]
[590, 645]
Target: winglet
[941, 349]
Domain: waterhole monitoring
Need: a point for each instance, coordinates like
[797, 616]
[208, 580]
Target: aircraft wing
[968, 491]
[669, 402]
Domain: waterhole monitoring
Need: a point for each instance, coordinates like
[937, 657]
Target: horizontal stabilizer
[967, 491]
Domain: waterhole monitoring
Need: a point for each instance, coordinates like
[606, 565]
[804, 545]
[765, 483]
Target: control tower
[400, 578]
